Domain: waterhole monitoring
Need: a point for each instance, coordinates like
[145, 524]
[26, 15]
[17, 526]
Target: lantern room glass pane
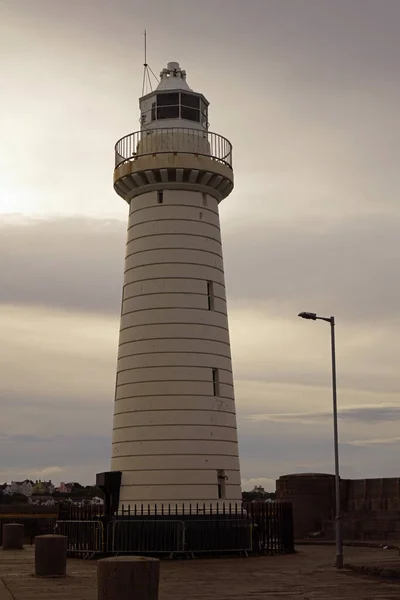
[168, 99]
[190, 100]
[190, 114]
[168, 112]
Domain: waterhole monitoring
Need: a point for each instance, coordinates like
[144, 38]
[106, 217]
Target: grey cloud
[5, 438]
[317, 115]
[72, 263]
[290, 371]
[394, 441]
[271, 450]
[361, 414]
[60, 450]
[316, 38]
[346, 266]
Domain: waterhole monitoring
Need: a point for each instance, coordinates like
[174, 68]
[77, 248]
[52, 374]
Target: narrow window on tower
[210, 295]
[215, 380]
[204, 199]
[160, 196]
[221, 484]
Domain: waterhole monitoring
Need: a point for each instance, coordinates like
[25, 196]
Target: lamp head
[308, 315]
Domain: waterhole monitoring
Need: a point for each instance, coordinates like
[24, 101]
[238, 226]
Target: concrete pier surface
[307, 575]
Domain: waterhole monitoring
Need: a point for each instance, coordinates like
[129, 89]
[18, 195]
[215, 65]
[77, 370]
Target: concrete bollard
[51, 555]
[128, 578]
[13, 536]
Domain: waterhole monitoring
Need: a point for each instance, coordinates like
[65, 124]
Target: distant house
[21, 487]
[26, 488]
[98, 501]
[65, 488]
[16, 487]
[43, 487]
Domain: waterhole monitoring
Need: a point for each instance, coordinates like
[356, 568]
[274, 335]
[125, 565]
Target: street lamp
[338, 527]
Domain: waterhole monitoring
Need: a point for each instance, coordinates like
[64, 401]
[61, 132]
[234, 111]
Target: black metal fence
[172, 530]
[33, 525]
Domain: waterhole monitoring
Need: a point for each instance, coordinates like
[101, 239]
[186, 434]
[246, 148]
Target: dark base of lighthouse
[110, 483]
[173, 531]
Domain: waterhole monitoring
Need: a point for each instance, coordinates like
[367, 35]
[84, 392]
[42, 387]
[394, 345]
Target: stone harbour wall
[370, 507]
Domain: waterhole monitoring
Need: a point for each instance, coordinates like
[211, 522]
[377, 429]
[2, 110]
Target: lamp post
[338, 525]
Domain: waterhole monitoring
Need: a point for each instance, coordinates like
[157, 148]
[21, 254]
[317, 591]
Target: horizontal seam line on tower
[199, 455]
[175, 396]
[174, 323]
[180, 469]
[167, 441]
[174, 219]
[174, 248]
[158, 264]
[200, 208]
[174, 381]
[174, 367]
[136, 485]
[173, 277]
[158, 410]
[173, 425]
[180, 308]
[201, 294]
[174, 338]
[174, 352]
[140, 237]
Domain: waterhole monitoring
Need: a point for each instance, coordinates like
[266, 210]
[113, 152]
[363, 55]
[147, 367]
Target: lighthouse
[174, 437]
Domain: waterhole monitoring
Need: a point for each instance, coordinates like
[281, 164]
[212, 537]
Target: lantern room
[173, 103]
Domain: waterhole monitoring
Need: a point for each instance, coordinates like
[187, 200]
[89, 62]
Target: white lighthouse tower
[174, 430]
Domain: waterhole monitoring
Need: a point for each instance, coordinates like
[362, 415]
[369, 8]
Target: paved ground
[307, 575]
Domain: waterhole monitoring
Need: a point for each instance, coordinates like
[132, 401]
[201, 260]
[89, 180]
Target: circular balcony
[173, 158]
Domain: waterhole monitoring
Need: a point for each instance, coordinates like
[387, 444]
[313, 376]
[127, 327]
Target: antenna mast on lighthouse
[147, 70]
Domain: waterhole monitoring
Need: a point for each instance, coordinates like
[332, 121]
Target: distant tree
[92, 491]
[257, 493]
[77, 486]
[19, 499]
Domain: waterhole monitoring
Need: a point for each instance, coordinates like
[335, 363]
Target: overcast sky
[308, 92]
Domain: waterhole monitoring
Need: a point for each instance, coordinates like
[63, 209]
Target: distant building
[98, 501]
[21, 487]
[63, 488]
[43, 487]
[26, 488]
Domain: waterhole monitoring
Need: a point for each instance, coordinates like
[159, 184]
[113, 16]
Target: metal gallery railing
[175, 140]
